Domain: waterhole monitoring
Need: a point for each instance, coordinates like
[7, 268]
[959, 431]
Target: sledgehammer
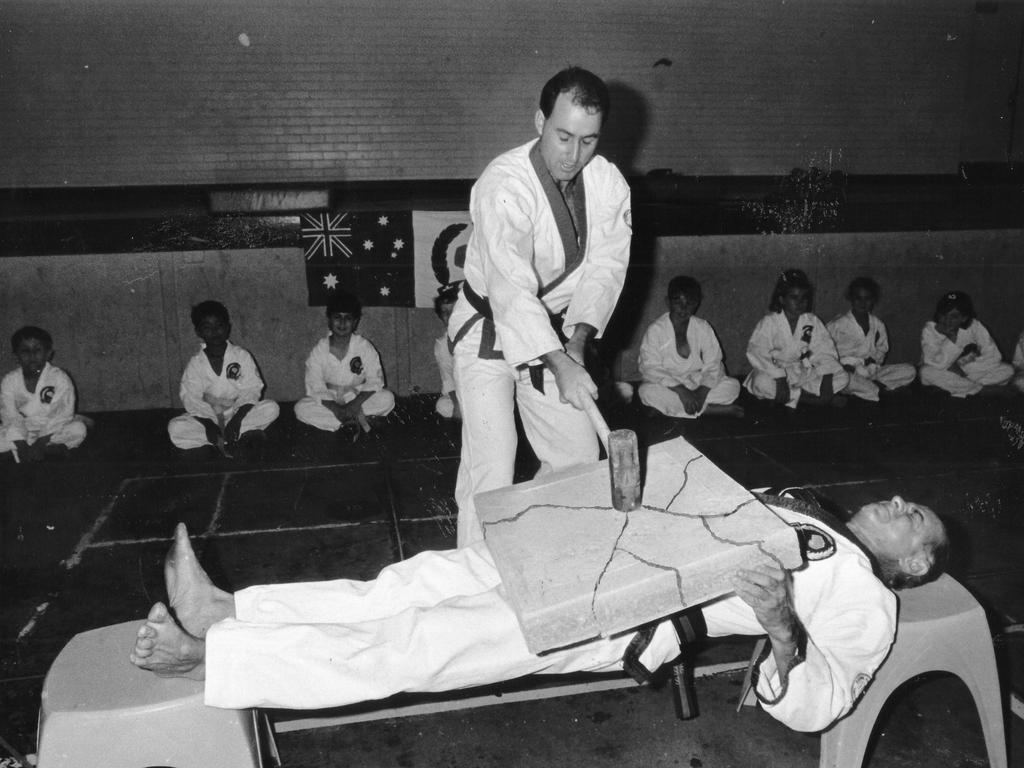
[623, 459]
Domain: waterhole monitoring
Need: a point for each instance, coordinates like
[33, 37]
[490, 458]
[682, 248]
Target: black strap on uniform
[691, 628]
[487, 351]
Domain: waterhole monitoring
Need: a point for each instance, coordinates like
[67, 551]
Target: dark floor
[81, 542]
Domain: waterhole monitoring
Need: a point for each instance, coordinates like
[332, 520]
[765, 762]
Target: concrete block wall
[121, 321]
[914, 269]
[148, 92]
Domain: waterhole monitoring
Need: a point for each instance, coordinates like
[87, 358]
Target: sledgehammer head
[624, 465]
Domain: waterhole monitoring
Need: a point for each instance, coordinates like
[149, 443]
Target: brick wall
[138, 92]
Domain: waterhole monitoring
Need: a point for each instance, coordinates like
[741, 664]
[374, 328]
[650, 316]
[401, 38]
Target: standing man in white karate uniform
[550, 242]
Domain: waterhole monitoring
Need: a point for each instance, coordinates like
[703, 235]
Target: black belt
[482, 305]
[691, 628]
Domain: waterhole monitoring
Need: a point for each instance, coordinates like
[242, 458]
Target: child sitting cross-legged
[681, 360]
[792, 355]
[37, 402]
[862, 343]
[958, 354]
[220, 389]
[344, 378]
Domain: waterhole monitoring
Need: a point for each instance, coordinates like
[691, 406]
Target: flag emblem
[366, 253]
[324, 236]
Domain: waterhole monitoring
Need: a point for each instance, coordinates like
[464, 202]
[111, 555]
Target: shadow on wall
[625, 130]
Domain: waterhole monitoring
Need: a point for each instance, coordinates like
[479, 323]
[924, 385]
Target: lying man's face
[899, 531]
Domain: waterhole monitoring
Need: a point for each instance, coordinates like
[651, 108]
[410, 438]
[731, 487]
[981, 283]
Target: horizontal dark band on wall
[119, 220]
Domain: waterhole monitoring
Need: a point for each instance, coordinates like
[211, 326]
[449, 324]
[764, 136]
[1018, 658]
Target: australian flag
[367, 253]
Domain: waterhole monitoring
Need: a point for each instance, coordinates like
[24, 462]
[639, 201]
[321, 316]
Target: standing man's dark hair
[587, 89]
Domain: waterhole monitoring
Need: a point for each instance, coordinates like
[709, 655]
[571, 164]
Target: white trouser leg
[314, 413]
[260, 416]
[72, 434]
[997, 374]
[486, 391]
[862, 387]
[955, 384]
[666, 401]
[560, 434]
[186, 432]
[896, 375]
[437, 622]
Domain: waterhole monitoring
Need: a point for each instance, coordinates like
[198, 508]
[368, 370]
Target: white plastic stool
[941, 628]
[100, 711]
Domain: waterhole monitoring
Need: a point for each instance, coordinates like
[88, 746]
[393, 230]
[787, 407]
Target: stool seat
[942, 628]
[98, 709]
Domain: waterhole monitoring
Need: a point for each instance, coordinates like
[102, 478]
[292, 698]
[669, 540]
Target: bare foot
[197, 603]
[164, 648]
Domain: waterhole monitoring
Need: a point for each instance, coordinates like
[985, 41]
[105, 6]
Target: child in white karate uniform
[448, 403]
[1018, 363]
[958, 354]
[344, 378]
[862, 343]
[681, 360]
[220, 389]
[792, 354]
[37, 402]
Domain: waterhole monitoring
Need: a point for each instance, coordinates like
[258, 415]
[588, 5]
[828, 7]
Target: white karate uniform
[446, 367]
[938, 353]
[1018, 363]
[440, 621]
[662, 367]
[328, 378]
[521, 257]
[774, 352]
[855, 347]
[238, 383]
[49, 410]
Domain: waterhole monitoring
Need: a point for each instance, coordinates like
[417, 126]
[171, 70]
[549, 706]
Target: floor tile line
[37, 614]
[76, 555]
[259, 470]
[837, 428]
[218, 506]
[238, 533]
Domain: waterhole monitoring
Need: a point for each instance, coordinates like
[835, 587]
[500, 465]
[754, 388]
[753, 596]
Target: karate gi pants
[863, 379]
[971, 384]
[187, 432]
[70, 434]
[800, 379]
[663, 399]
[561, 436]
[436, 622]
[311, 411]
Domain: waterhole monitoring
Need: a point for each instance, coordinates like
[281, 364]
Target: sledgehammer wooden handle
[597, 421]
[623, 459]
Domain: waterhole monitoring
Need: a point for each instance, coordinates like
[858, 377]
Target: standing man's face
[568, 137]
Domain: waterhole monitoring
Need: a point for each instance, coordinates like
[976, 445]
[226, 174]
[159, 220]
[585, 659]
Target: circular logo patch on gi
[816, 544]
[356, 365]
[234, 371]
[627, 217]
[46, 396]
